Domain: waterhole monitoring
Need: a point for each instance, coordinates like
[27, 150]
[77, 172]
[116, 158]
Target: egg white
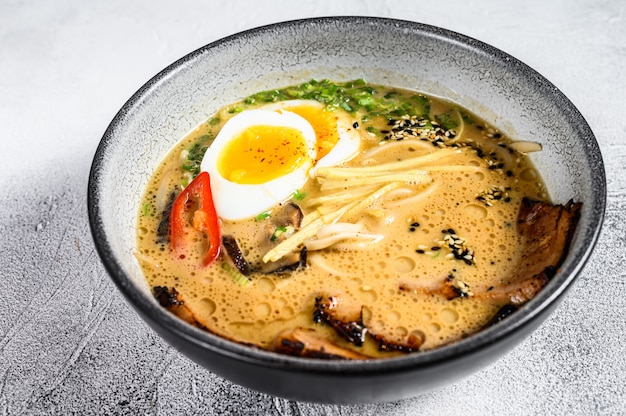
[234, 201]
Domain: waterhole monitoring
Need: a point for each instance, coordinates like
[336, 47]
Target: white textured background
[69, 344]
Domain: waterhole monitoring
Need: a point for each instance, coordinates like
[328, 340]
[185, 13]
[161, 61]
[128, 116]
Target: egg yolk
[325, 125]
[262, 153]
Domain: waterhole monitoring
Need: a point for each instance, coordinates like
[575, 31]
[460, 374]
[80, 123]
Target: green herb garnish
[447, 121]
[298, 195]
[239, 278]
[262, 216]
[278, 232]
[351, 96]
[195, 155]
[147, 209]
[466, 118]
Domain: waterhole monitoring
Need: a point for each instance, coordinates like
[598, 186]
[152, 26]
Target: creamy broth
[457, 230]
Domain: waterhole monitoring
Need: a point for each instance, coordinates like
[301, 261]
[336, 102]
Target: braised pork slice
[307, 343]
[502, 313]
[347, 322]
[171, 300]
[546, 232]
[449, 287]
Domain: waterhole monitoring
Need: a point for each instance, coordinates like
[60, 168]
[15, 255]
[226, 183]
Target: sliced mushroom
[289, 263]
[163, 229]
[232, 249]
[272, 231]
[291, 214]
[279, 227]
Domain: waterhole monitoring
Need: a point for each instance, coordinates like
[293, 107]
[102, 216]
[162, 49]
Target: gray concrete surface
[69, 343]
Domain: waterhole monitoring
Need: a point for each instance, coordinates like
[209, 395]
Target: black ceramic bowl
[501, 89]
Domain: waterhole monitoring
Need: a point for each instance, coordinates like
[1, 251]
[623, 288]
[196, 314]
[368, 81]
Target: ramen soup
[348, 220]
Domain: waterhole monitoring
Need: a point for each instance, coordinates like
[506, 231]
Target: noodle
[394, 146]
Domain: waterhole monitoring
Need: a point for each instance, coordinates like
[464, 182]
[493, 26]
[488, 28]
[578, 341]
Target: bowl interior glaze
[502, 90]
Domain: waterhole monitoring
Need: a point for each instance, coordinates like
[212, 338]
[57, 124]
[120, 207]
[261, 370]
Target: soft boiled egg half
[261, 157]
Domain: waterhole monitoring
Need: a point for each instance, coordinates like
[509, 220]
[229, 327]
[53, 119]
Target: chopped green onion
[262, 216]
[447, 121]
[235, 110]
[147, 209]
[466, 118]
[195, 154]
[298, 195]
[239, 278]
[351, 96]
[278, 232]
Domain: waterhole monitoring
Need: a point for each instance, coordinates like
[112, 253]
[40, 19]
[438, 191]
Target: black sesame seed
[415, 224]
[509, 173]
[355, 125]
[419, 251]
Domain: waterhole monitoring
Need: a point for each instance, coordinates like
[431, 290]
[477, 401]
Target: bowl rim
[528, 313]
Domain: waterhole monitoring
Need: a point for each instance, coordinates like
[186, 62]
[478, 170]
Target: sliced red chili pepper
[193, 211]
